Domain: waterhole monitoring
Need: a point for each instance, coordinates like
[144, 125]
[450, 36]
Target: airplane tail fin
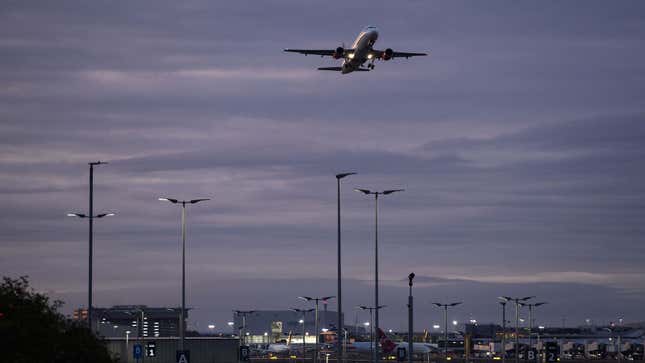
[386, 344]
[337, 69]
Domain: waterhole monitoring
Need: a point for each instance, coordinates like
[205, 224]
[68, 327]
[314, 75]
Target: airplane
[389, 347]
[361, 51]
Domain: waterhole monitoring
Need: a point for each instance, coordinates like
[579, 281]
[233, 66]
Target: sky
[518, 141]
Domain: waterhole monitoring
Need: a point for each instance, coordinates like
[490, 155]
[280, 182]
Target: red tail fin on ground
[387, 346]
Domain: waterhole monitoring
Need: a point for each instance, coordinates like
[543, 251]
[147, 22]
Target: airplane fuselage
[362, 46]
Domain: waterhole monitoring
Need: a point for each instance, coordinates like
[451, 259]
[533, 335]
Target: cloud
[518, 141]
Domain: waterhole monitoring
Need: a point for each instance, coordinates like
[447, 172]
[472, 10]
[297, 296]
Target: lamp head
[342, 175]
[194, 201]
[386, 192]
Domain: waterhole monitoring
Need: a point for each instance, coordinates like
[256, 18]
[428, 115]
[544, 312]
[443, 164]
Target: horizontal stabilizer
[337, 69]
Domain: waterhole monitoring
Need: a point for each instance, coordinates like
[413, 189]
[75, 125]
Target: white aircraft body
[389, 347]
[362, 51]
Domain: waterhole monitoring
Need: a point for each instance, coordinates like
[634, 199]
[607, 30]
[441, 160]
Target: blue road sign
[183, 356]
[137, 351]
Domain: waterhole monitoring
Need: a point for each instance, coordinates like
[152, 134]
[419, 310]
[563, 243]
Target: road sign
[400, 354]
[137, 351]
[551, 352]
[183, 356]
[245, 353]
[151, 349]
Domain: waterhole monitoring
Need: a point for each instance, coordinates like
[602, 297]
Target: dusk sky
[519, 142]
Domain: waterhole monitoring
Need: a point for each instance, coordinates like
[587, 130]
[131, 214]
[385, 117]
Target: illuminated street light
[517, 301]
[302, 321]
[316, 299]
[371, 309]
[182, 321]
[445, 320]
[339, 301]
[90, 216]
[376, 356]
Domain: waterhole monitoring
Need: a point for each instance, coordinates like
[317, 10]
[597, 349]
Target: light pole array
[445, 324]
[302, 321]
[317, 333]
[376, 194]
[90, 216]
[531, 306]
[182, 321]
[517, 302]
[339, 300]
[373, 337]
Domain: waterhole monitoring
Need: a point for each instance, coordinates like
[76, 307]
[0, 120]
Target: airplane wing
[389, 54]
[338, 69]
[321, 52]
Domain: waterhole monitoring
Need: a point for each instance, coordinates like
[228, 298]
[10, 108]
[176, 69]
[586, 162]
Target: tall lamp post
[243, 314]
[373, 337]
[317, 333]
[410, 319]
[531, 306]
[376, 320]
[445, 324]
[302, 321]
[182, 321]
[339, 300]
[517, 301]
[90, 216]
[503, 303]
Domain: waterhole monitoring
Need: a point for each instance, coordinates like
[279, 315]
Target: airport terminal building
[263, 326]
[133, 320]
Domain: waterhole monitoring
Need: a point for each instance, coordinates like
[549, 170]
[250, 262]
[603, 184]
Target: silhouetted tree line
[32, 329]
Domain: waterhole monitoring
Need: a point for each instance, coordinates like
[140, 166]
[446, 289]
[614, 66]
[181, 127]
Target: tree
[32, 329]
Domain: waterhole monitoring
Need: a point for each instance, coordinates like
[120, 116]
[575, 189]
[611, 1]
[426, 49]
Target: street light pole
[304, 315]
[503, 303]
[90, 216]
[243, 314]
[182, 321]
[317, 333]
[445, 325]
[531, 306]
[517, 321]
[376, 315]
[373, 337]
[339, 300]
[410, 319]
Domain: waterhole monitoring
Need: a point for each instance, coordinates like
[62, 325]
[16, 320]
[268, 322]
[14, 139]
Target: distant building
[483, 330]
[284, 321]
[138, 320]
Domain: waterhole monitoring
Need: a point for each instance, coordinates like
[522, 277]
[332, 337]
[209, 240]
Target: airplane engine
[387, 54]
[339, 53]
